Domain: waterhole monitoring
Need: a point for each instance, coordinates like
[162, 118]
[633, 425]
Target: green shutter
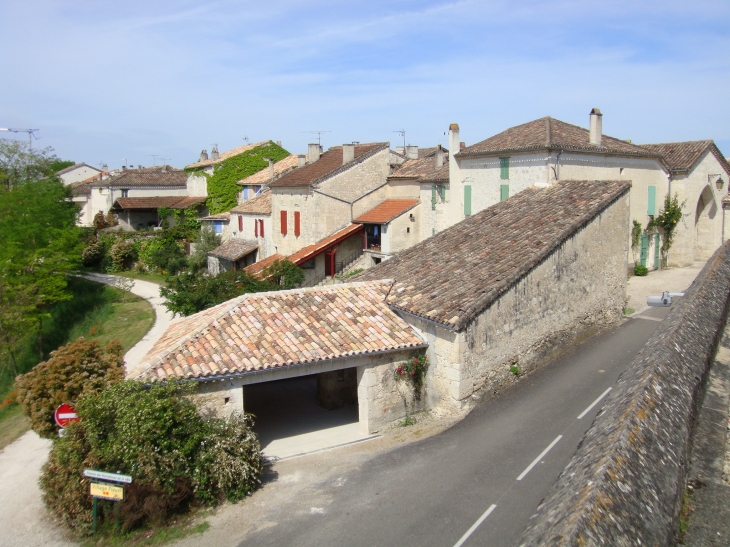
[467, 200]
[433, 197]
[442, 192]
[503, 192]
[656, 251]
[504, 168]
[644, 248]
[652, 200]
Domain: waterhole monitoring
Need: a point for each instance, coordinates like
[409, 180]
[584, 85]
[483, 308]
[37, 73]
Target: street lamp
[29, 131]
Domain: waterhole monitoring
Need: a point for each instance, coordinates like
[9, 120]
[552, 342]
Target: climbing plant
[667, 221]
[635, 237]
[222, 187]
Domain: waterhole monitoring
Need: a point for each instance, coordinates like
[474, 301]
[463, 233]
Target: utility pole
[29, 131]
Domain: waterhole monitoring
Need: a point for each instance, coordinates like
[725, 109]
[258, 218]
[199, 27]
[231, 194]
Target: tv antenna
[245, 139]
[319, 135]
[30, 132]
[163, 160]
[154, 158]
[402, 133]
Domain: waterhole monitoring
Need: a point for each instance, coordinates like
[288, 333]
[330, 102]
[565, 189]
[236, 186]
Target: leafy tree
[19, 163]
[81, 366]
[156, 434]
[284, 274]
[58, 165]
[206, 241]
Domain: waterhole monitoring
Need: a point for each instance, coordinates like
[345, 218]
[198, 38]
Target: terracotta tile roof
[423, 169]
[233, 250]
[261, 331]
[155, 202]
[225, 155]
[257, 267]
[81, 188]
[133, 178]
[280, 168]
[77, 166]
[328, 165]
[452, 276]
[311, 251]
[218, 216]
[682, 156]
[549, 133]
[260, 205]
[430, 151]
[387, 211]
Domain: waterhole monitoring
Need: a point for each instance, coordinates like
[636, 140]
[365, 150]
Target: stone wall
[624, 485]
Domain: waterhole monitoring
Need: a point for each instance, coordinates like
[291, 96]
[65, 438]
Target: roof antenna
[245, 139]
[154, 158]
[319, 135]
[402, 133]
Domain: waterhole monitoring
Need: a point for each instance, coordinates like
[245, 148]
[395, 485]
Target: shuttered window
[256, 228]
[467, 200]
[644, 249]
[261, 228]
[283, 222]
[240, 223]
[296, 224]
[651, 209]
[442, 193]
[433, 197]
[503, 192]
[504, 168]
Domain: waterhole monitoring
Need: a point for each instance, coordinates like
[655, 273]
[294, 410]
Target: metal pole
[93, 516]
[119, 515]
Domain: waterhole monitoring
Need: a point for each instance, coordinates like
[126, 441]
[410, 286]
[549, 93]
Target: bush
[206, 241]
[92, 254]
[154, 433]
[122, 254]
[74, 369]
[640, 270]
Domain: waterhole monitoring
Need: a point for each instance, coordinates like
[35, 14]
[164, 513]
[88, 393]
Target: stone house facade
[533, 272]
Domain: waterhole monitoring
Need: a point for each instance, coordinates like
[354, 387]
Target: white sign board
[104, 476]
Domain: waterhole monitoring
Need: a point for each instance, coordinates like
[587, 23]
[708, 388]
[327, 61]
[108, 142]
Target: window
[467, 201]
[442, 193]
[261, 227]
[256, 228]
[245, 192]
[297, 230]
[651, 209]
[218, 226]
[240, 223]
[125, 193]
[433, 197]
[503, 192]
[504, 168]
[283, 222]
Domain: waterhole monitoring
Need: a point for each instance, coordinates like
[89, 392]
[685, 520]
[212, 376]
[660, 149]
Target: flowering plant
[413, 368]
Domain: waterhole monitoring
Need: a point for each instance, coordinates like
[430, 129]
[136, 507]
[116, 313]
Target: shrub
[92, 254]
[641, 270]
[284, 274]
[81, 366]
[122, 254]
[154, 433]
[206, 241]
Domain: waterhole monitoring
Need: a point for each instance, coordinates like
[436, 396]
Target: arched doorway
[705, 240]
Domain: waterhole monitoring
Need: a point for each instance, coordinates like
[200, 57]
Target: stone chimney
[314, 152]
[400, 150]
[203, 155]
[596, 127]
[348, 153]
[164, 168]
[105, 167]
[214, 153]
[439, 158]
[462, 145]
[454, 145]
[411, 152]
[271, 167]
[278, 143]
[301, 160]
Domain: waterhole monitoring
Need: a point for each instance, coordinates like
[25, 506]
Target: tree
[81, 366]
[206, 241]
[19, 163]
[284, 274]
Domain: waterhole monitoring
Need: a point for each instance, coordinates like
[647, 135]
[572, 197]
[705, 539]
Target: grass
[152, 277]
[150, 537]
[96, 311]
[13, 423]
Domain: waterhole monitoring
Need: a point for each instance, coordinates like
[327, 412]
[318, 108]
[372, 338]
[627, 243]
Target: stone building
[77, 173]
[197, 184]
[503, 287]
[344, 334]
[231, 255]
[251, 222]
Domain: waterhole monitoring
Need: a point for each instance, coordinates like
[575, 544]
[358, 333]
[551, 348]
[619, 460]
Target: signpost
[64, 415]
[106, 486]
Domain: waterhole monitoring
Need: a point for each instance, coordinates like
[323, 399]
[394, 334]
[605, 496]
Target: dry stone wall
[624, 485]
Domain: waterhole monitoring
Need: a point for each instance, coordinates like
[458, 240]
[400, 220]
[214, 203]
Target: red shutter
[296, 223]
[261, 228]
[283, 222]
[256, 228]
[240, 223]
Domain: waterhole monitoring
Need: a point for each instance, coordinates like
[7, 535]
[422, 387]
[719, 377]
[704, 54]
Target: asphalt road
[479, 482]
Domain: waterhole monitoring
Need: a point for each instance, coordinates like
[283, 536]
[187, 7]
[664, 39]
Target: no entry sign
[65, 414]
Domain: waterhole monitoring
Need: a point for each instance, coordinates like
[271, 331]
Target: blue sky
[108, 80]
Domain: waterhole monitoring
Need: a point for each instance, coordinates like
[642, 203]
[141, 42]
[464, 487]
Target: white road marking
[474, 526]
[536, 460]
[594, 403]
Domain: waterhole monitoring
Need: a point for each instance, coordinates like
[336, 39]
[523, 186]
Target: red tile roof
[233, 250]
[259, 205]
[682, 156]
[257, 267]
[262, 331]
[328, 164]
[156, 202]
[387, 211]
[423, 169]
[218, 216]
[453, 276]
[146, 178]
[280, 168]
[225, 155]
[311, 251]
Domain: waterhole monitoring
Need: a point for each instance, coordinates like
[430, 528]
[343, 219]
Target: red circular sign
[65, 414]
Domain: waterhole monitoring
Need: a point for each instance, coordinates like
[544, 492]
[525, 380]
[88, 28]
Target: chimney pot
[271, 167]
[462, 145]
[595, 132]
[105, 167]
[348, 153]
[412, 152]
[314, 152]
[278, 143]
[301, 160]
[214, 153]
[203, 155]
[400, 150]
[439, 157]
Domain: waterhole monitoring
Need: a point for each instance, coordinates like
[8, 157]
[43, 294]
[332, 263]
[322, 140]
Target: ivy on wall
[222, 187]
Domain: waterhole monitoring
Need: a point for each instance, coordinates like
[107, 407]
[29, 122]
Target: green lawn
[96, 311]
[159, 279]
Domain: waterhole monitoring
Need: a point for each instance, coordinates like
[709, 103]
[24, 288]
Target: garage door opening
[305, 414]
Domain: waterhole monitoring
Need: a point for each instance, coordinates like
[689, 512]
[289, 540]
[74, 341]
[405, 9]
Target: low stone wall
[625, 483]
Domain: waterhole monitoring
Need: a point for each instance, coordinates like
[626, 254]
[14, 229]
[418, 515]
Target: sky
[158, 81]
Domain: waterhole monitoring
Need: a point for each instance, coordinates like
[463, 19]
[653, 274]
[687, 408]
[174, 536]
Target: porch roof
[233, 250]
[309, 252]
[386, 211]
